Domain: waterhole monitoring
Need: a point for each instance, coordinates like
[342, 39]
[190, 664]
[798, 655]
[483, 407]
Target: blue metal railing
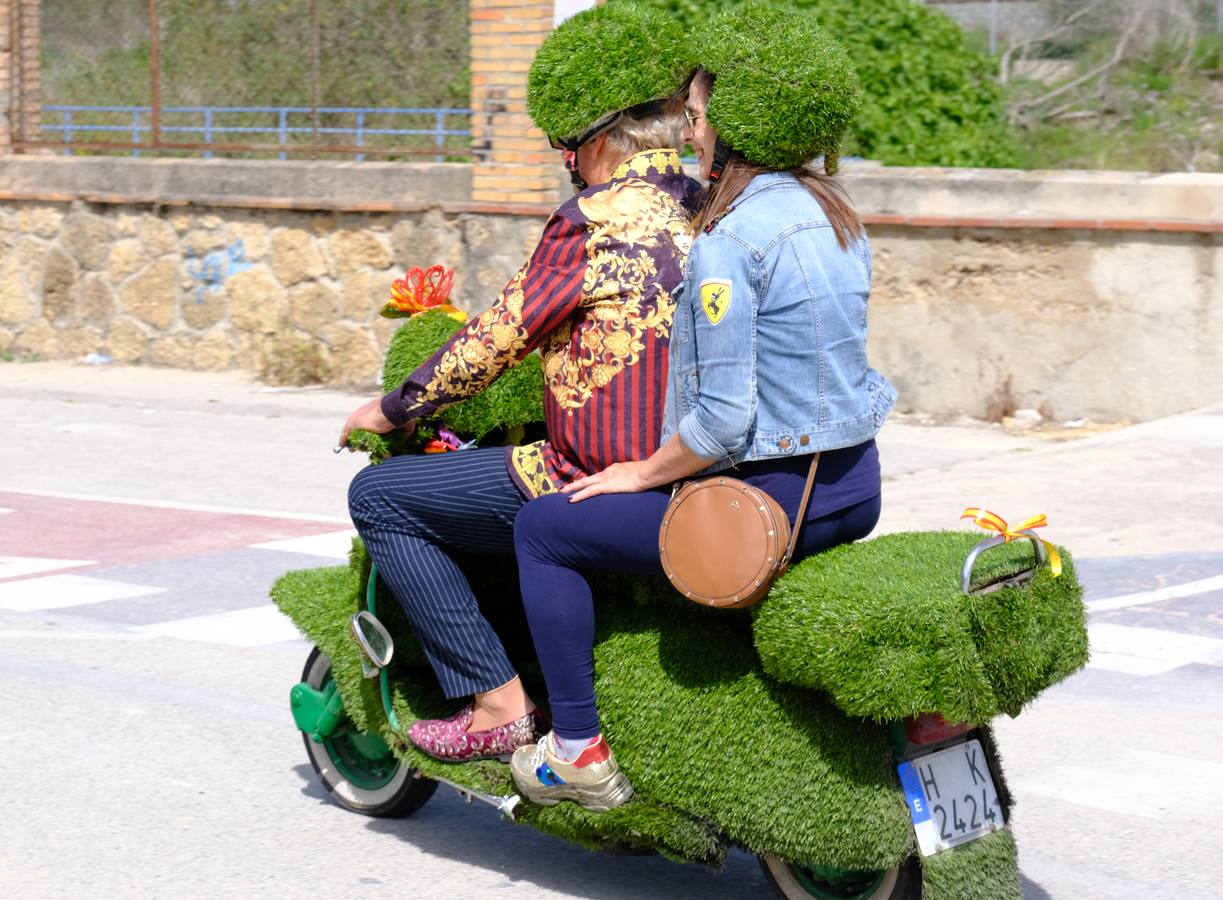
[138, 124]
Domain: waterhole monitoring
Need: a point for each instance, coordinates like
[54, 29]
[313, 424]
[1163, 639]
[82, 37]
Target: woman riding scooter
[767, 366]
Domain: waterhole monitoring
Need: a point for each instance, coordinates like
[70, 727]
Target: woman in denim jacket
[767, 366]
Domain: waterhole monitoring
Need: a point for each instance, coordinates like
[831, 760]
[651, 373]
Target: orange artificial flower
[420, 291]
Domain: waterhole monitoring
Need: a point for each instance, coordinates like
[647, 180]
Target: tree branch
[1063, 25]
[1123, 41]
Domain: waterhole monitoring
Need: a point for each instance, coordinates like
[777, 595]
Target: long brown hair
[828, 192]
[738, 174]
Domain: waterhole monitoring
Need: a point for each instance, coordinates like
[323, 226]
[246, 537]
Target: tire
[796, 881]
[358, 769]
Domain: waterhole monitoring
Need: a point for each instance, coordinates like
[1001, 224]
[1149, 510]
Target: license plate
[951, 797]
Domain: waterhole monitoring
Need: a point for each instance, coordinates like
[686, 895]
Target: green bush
[928, 99]
[1155, 112]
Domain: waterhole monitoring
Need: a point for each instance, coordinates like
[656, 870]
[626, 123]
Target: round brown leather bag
[722, 541]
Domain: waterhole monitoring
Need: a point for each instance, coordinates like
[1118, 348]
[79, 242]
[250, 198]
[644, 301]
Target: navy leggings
[557, 541]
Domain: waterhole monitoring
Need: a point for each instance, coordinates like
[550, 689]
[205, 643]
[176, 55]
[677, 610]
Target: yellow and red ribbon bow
[422, 290]
[994, 522]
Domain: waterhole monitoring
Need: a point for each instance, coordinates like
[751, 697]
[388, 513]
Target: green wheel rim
[828, 883]
[363, 759]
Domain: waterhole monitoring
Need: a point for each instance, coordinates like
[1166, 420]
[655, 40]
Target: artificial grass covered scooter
[822, 714]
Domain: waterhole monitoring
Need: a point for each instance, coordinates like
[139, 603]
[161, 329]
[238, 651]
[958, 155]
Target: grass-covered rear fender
[883, 629]
[985, 869]
[696, 724]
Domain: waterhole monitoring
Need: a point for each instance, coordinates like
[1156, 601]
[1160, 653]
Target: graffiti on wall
[212, 270]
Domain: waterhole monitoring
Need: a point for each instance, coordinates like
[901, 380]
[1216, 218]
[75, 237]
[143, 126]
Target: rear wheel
[802, 881]
[357, 768]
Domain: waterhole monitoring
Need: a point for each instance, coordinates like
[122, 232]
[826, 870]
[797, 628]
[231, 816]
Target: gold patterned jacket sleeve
[543, 294]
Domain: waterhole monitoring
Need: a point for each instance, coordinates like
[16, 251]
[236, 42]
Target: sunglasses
[572, 144]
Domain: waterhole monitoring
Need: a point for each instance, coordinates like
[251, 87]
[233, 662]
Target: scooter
[839, 730]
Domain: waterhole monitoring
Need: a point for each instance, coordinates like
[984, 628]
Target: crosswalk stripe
[333, 544]
[253, 627]
[22, 566]
[1173, 592]
[52, 634]
[1135, 650]
[59, 591]
[1143, 783]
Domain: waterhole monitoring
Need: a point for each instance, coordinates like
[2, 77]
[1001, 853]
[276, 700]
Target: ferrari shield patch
[715, 298]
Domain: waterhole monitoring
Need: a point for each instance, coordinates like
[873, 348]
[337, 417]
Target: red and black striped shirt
[595, 300]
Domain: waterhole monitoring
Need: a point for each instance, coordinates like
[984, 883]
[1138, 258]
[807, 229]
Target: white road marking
[1140, 783]
[1149, 651]
[21, 566]
[58, 591]
[334, 544]
[1188, 589]
[169, 504]
[252, 627]
[53, 635]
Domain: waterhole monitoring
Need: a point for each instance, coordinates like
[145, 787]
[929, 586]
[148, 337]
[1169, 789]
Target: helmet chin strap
[722, 153]
[575, 177]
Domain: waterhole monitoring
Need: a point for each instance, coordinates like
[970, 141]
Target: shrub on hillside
[927, 98]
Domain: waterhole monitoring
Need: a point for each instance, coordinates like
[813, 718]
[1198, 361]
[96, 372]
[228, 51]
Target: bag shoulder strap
[802, 512]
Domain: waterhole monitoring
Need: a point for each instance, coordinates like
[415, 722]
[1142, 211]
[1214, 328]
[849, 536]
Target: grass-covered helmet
[600, 62]
[784, 91]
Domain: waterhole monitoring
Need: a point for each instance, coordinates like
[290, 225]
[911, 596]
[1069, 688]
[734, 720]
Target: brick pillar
[514, 162]
[6, 77]
[29, 66]
[20, 71]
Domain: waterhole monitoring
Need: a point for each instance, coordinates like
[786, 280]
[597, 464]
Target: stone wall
[1081, 294]
[216, 288]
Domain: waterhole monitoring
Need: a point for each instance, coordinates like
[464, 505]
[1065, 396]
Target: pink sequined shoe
[450, 741]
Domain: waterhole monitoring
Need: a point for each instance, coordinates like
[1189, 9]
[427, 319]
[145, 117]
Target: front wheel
[357, 768]
[803, 881]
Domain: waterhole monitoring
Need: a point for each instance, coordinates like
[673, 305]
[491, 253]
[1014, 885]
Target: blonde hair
[653, 132]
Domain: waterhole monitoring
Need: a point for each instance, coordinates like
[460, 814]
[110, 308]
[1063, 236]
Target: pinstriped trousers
[409, 511]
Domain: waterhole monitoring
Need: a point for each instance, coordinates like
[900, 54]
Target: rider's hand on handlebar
[618, 478]
[369, 417]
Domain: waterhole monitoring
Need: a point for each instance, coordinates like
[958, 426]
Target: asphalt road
[147, 748]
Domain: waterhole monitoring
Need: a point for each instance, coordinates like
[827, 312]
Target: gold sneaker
[593, 780]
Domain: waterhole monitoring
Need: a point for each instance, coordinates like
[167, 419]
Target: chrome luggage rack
[1016, 580]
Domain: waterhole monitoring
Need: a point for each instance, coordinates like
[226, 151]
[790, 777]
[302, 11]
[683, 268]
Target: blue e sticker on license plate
[951, 797]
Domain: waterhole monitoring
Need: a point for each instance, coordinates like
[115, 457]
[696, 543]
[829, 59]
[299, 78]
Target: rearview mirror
[375, 642]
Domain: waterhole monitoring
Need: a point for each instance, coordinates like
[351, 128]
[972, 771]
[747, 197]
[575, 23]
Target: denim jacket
[768, 345]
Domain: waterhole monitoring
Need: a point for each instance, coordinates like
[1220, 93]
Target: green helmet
[785, 91]
[602, 61]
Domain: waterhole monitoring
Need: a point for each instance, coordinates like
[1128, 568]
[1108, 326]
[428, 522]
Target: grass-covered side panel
[882, 628]
[692, 719]
[321, 602]
[985, 869]
[690, 714]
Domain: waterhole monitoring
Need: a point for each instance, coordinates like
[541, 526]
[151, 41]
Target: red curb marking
[111, 534]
